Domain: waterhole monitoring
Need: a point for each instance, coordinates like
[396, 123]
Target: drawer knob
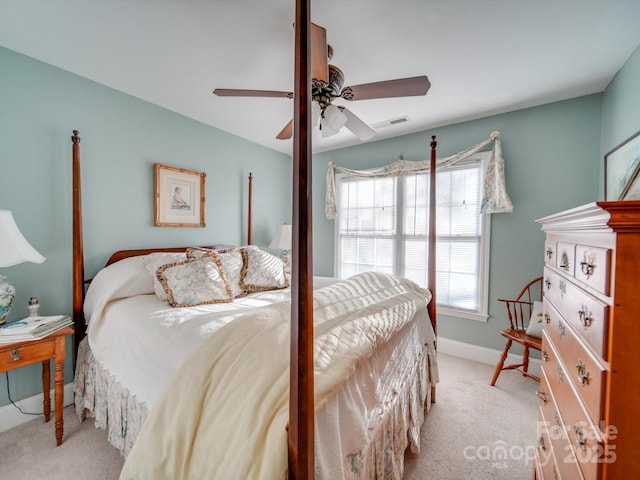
[541, 443]
[542, 396]
[547, 318]
[587, 268]
[549, 253]
[561, 328]
[585, 319]
[583, 374]
[545, 355]
[581, 439]
[15, 354]
[547, 284]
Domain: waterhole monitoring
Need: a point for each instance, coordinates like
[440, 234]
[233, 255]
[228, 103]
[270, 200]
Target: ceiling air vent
[388, 123]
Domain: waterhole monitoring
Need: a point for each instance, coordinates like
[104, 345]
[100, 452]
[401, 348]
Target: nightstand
[52, 347]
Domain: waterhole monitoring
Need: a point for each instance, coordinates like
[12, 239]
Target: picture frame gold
[179, 197]
[621, 167]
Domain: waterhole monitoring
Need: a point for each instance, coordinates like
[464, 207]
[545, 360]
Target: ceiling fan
[327, 81]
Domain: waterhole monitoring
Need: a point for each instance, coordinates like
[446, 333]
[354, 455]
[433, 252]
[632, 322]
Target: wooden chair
[518, 313]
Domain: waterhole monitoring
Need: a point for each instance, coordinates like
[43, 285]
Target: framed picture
[621, 166]
[179, 197]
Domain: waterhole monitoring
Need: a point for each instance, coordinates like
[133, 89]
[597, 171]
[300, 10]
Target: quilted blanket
[225, 413]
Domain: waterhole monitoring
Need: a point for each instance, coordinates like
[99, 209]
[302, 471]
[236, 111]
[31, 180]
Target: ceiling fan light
[334, 118]
[315, 113]
[325, 129]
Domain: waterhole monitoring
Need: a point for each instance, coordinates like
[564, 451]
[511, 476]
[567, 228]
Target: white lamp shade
[282, 238]
[14, 248]
[315, 113]
[332, 121]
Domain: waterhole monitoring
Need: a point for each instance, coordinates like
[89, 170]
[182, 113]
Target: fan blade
[358, 127]
[286, 132]
[319, 54]
[231, 92]
[401, 87]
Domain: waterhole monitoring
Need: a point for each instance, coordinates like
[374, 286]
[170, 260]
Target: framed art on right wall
[621, 168]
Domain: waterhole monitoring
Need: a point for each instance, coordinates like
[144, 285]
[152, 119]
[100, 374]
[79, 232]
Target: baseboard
[482, 354]
[11, 417]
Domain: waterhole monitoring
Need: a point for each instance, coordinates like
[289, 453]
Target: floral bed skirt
[394, 427]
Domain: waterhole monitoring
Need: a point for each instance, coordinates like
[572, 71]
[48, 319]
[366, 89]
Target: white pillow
[536, 321]
[261, 271]
[122, 279]
[155, 260]
[196, 281]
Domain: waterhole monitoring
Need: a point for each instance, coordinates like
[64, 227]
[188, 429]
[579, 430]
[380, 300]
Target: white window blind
[383, 226]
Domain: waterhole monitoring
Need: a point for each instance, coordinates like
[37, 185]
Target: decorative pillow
[536, 321]
[196, 281]
[230, 262]
[155, 260]
[261, 271]
[197, 252]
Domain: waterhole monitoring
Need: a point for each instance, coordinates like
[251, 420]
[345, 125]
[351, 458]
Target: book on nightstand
[32, 328]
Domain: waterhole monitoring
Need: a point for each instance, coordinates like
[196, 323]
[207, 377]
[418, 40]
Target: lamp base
[7, 296]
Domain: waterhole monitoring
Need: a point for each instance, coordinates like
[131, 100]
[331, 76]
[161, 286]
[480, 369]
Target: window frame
[482, 314]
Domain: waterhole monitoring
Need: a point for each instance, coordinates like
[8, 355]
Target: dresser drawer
[585, 370]
[546, 465]
[584, 313]
[11, 358]
[593, 266]
[584, 438]
[555, 437]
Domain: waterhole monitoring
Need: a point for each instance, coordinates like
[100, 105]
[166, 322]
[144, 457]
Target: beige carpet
[467, 428]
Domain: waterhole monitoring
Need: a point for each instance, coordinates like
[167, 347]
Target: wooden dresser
[589, 418]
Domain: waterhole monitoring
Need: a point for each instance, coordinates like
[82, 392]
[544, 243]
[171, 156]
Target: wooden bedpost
[301, 399]
[249, 208]
[431, 275]
[78, 250]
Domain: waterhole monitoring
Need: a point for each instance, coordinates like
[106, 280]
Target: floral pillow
[157, 259]
[195, 281]
[230, 262]
[261, 271]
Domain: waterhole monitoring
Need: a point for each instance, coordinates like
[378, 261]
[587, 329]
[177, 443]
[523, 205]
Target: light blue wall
[621, 105]
[121, 138]
[551, 162]
[553, 157]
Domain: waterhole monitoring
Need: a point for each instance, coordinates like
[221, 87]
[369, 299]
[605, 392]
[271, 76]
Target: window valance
[494, 195]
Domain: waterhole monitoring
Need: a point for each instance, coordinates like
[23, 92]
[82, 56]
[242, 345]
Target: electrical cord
[6, 374]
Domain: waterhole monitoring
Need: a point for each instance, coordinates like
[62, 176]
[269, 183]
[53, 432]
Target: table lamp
[14, 249]
[282, 240]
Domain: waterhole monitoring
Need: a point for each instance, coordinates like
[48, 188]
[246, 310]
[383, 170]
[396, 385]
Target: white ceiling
[482, 57]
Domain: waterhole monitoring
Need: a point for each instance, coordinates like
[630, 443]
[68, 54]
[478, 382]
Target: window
[382, 225]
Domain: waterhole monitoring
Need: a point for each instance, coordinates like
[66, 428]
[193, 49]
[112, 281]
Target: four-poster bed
[94, 372]
[408, 345]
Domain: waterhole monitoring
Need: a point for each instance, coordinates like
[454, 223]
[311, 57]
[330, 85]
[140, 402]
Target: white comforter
[141, 339]
[224, 414]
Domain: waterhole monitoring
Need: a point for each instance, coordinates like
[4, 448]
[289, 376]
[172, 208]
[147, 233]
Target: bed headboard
[122, 254]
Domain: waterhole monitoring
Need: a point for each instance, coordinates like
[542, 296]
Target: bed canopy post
[301, 399]
[431, 272]
[78, 250]
[249, 208]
